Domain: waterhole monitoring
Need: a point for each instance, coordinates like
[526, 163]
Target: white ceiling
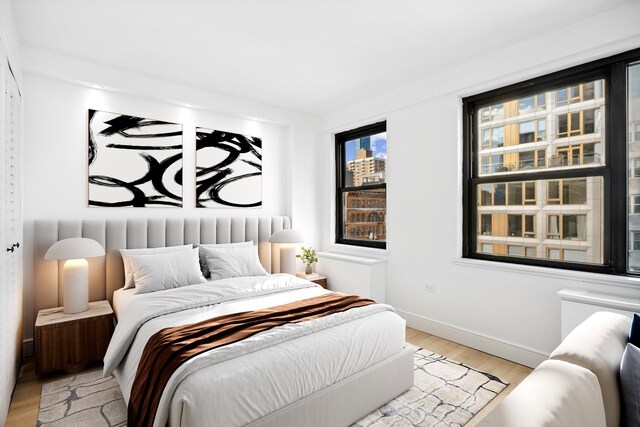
[305, 55]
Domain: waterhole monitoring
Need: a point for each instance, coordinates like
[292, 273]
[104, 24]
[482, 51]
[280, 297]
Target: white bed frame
[351, 399]
[338, 405]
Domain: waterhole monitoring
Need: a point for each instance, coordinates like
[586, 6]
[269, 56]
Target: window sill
[351, 258]
[575, 276]
[358, 250]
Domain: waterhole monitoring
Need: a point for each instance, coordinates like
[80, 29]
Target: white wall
[9, 32]
[56, 147]
[510, 311]
[57, 97]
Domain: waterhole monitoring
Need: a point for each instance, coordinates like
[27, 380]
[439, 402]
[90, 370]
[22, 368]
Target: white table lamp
[75, 273]
[284, 250]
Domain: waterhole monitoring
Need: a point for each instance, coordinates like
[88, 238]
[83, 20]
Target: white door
[14, 213]
[10, 234]
[5, 353]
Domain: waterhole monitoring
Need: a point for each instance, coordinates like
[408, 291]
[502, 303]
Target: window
[485, 225]
[575, 155]
[529, 193]
[515, 225]
[529, 226]
[567, 192]
[515, 193]
[493, 137]
[567, 227]
[531, 104]
[635, 168]
[491, 113]
[492, 194]
[635, 205]
[578, 93]
[577, 123]
[361, 189]
[567, 174]
[574, 255]
[532, 159]
[520, 225]
[532, 131]
[493, 164]
[516, 250]
[635, 242]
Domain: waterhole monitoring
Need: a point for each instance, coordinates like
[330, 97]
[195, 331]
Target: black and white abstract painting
[134, 162]
[228, 169]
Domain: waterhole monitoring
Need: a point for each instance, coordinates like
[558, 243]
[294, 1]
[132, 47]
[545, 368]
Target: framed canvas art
[228, 169]
[133, 161]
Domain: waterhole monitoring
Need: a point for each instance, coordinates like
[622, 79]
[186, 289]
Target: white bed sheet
[121, 300]
[241, 390]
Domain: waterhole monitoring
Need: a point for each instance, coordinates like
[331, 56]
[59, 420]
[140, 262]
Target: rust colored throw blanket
[169, 348]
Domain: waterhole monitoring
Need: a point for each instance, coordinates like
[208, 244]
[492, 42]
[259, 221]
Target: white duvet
[242, 382]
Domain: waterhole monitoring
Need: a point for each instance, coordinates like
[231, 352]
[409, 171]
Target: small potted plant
[308, 256]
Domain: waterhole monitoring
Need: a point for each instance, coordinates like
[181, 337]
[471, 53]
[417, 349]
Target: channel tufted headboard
[106, 274]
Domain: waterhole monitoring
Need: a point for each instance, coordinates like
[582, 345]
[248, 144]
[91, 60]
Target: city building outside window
[550, 163]
[516, 250]
[635, 204]
[361, 186]
[531, 104]
[567, 192]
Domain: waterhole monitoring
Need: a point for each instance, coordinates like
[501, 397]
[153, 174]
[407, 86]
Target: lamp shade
[287, 236]
[74, 248]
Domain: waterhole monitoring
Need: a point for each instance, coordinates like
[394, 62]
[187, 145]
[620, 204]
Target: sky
[378, 146]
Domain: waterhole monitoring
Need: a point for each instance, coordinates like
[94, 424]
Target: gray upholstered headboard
[106, 274]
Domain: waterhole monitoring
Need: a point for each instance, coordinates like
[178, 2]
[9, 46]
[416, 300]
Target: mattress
[254, 384]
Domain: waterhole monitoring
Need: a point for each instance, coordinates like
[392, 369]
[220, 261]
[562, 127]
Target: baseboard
[501, 348]
[27, 348]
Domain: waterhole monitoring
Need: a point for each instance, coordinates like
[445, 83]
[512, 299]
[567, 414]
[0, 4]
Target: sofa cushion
[597, 344]
[555, 394]
[634, 334]
[630, 384]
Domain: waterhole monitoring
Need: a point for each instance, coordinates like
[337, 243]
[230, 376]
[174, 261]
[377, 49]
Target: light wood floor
[506, 370]
[25, 401]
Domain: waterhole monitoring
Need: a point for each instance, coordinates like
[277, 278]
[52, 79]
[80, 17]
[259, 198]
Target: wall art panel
[228, 169]
[133, 161]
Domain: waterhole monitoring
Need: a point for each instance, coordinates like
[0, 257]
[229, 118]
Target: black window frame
[613, 70]
[340, 141]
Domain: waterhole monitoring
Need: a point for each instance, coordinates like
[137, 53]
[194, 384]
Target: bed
[331, 371]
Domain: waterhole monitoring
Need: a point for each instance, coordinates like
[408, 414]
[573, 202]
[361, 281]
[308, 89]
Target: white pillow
[128, 274]
[233, 261]
[162, 271]
[203, 260]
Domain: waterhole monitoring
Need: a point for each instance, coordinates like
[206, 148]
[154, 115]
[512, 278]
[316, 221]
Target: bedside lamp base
[76, 285]
[288, 259]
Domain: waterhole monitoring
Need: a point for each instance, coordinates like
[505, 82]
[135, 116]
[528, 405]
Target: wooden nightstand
[71, 341]
[315, 278]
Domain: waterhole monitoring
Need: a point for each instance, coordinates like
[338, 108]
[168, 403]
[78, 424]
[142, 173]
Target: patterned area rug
[84, 400]
[445, 393]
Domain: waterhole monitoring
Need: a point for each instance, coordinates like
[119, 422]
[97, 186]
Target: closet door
[5, 352]
[10, 234]
[13, 211]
